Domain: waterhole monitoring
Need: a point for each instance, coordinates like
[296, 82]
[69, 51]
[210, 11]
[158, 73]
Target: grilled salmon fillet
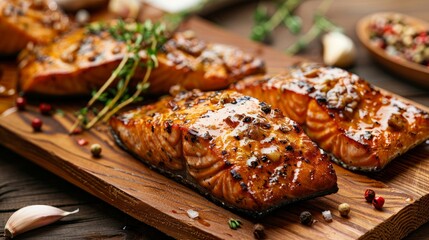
[24, 21]
[231, 147]
[362, 127]
[83, 60]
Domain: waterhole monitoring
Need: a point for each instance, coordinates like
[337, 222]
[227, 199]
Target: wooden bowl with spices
[398, 42]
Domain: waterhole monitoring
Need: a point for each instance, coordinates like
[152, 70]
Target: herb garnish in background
[264, 24]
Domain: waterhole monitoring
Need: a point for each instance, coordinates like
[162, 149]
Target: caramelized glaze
[231, 146]
[362, 127]
[83, 60]
[24, 21]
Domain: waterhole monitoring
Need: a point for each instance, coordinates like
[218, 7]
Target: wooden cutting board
[129, 185]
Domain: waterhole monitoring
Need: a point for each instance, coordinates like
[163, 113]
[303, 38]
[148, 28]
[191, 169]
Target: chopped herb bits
[234, 223]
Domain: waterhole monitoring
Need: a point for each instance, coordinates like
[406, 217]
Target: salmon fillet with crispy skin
[362, 127]
[24, 21]
[231, 147]
[82, 61]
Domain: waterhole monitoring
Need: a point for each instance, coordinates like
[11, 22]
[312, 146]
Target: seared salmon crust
[232, 148]
[25, 21]
[364, 128]
[82, 61]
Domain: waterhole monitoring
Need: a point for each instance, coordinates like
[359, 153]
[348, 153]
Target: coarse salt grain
[192, 214]
[327, 215]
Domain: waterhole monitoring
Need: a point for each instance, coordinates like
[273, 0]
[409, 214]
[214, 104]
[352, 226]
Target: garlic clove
[338, 50]
[31, 217]
[125, 8]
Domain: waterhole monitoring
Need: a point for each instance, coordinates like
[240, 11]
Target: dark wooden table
[23, 183]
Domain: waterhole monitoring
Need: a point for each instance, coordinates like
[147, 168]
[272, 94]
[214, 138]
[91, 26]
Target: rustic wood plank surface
[125, 183]
[108, 222]
[24, 183]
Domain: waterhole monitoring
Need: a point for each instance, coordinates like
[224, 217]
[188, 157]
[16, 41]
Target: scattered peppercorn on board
[132, 187]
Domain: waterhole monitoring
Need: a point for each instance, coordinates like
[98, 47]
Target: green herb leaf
[83, 111]
[120, 84]
[59, 112]
[234, 224]
[139, 37]
[264, 24]
[261, 15]
[321, 24]
[293, 23]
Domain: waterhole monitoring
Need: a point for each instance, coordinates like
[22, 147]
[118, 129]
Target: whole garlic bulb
[338, 50]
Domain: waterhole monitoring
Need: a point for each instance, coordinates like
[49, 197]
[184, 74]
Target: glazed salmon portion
[83, 60]
[24, 21]
[232, 148]
[362, 127]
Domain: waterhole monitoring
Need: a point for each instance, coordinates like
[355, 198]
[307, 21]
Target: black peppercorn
[289, 148]
[247, 119]
[258, 231]
[265, 107]
[235, 174]
[306, 218]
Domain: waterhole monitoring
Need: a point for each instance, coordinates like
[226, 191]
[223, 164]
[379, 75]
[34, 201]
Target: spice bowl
[409, 70]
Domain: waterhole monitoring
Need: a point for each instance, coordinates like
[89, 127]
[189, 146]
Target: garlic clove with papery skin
[338, 50]
[31, 217]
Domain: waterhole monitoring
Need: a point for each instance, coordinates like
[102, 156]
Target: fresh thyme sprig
[320, 24]
[142, 43]
[264, 24]
[140, 39]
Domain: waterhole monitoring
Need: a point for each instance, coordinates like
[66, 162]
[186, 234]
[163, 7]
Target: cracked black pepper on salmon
[25, 21]
[361, 126]
[238, 150]
[83, 60]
